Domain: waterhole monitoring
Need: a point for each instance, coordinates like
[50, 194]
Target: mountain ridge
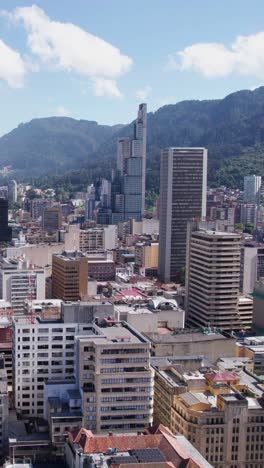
[231, 128]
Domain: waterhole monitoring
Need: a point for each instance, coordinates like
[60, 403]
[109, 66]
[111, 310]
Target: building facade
[69, 276]
[212, 280]
[183, 180]
[128, 185]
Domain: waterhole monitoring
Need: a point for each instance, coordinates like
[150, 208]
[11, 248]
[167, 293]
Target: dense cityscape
[131, 337]
[131, 234]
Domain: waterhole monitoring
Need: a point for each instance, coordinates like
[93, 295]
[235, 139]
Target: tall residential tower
[183, 179]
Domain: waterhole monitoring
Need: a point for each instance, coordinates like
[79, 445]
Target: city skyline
[101, 73]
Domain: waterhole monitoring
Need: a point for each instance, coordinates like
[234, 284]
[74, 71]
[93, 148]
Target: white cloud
[12, 67]
[61, 111]
[68, 47]
[105, 87]
[245, 56]
[143, 93]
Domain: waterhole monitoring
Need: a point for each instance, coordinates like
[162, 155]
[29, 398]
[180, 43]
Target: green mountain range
[61, 150]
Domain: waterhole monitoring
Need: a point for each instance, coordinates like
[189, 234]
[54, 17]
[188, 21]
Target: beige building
[186, 342]
[147, 258]
[115, 377]
[98, 238]
[219, 412]
[212, 281]
[69, 276]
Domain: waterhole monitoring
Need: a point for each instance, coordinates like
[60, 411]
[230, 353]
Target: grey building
[183, 182]
[252, 186]
[128, 185]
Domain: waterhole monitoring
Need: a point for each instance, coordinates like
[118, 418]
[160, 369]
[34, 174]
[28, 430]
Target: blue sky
[97, 59]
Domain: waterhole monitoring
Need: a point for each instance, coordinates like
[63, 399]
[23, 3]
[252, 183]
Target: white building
[98, 238]
[42, 350]
[19, 282]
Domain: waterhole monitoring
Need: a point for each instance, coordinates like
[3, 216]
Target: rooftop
[184, 336]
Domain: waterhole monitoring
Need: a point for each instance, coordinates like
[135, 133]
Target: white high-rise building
[252, 186]
[183, 180]
[19, 282]
[42, 350]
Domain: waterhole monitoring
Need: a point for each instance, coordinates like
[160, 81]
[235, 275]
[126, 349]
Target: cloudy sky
[97, 59]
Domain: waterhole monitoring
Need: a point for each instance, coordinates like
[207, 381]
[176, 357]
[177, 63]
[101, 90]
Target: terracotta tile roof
[161, 437]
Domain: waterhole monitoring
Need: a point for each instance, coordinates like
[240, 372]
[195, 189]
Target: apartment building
[115, 378]
[221, 413]
[42, 349]
[69, 276]
[20, 281]
[98, 238]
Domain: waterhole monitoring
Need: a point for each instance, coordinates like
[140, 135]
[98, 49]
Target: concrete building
[253, 348]
[147, 258]
[115, 377]
[98, 238]
[258, 305]
[168, 384]
[183, 183]
[157, 313]
[252, 265]
[222, 415]
[189, 342]
[41, 350]
[128, 185]
[252, 185]
[156, 449]
[19, 281]
[212, 280]
[86, 312]
[52, 219]
[69, 276]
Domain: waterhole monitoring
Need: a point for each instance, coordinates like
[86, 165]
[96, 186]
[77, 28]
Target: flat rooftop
[184, 337]
[118, 333]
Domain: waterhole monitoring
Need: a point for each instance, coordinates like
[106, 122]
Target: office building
[212, 280]
[19, 282]
[157, 448]
[146, 258]
[183, 180]
[128, 184]
[252, 185]
[52, 219]
[69, 276]
[5, 230]
[252, 265]
[12, 192]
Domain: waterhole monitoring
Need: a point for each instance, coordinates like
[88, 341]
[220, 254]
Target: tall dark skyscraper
[128, 185]
[5, 230]
[183, 179]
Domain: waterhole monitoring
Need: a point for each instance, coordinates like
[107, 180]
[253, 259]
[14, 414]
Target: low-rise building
[208, 343]
[156, 449]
